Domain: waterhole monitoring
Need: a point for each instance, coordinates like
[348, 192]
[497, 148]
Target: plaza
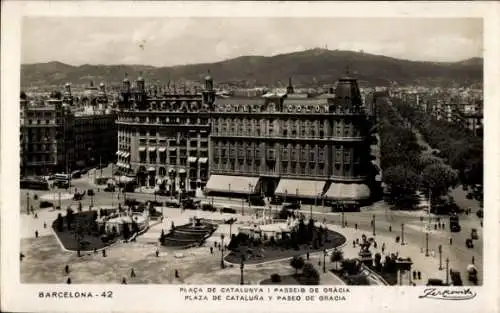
[45, 258]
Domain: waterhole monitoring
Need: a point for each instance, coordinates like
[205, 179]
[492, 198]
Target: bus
[62, 180]
[34, 183]
[454, 223]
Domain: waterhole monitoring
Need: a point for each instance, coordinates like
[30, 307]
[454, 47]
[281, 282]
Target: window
[347, 157]
[285, 132]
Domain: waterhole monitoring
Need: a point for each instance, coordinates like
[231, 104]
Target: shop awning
[182, 171]
[119, 164]
[152, 149]
[341, 192]
[127, 165]
[151, 169]
[202, 160]
[142, 149]
[192, 159]
[171, 170]
[300, 188]
[162, 149]
[234, 184]
[172, 149]
[126, 154]
[118, 152]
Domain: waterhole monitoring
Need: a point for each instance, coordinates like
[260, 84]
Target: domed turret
[347, 93]
[209, 82]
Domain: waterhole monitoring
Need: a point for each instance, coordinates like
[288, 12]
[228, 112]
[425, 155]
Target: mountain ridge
[307, 68]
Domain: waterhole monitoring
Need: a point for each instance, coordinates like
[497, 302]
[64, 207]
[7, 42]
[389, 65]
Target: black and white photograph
[253, 153]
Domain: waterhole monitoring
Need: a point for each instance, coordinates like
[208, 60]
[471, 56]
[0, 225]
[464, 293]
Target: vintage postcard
[260, 157]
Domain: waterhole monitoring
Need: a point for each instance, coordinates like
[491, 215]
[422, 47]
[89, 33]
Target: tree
[351, 266]
[310, 274]
[439, 178]
[297, 262]
[23, 95]
[69, 217]
[59, 223]
[402, 182]
[337, 256]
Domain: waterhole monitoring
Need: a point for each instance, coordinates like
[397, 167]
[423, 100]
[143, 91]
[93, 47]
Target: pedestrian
[307, 255]
[383, 247]
[68, 281]
[95, 250]
[176, 273]
[390, 228]
[356, 225]
[375, 244]
[36, 215]
[44, 225]
[104, 252]
[36, 233]
[124, 281]
[435, 226]
[157, 252]
[132, 273]
[419, 274]
[397, 239]
[354, 243]
[66, 269]
[211, 250]
[451, 241]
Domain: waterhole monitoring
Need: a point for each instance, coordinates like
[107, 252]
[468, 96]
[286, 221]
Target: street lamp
[373, 224]
[440, 249]
[343, 218]
[229, 191]
[447, 269]
[325, 253]
[427, 245]
[402, 234]
[28, 202]
[242, 265]
[222, 251]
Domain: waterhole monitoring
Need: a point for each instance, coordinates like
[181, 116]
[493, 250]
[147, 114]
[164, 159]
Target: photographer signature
[448, 294]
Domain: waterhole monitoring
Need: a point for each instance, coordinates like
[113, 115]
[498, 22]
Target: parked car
[468, 243]
[172, 203]
[46, 204]
[291, 205]
[90, 192]
[479, 213]
[435, 282]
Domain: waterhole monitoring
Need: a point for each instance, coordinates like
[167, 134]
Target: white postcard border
[23, 297]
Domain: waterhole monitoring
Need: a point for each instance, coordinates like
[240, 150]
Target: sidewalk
[428, 266]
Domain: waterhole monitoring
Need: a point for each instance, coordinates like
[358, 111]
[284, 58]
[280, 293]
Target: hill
[308, 68]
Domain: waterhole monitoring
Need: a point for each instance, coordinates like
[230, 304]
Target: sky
[178, 41]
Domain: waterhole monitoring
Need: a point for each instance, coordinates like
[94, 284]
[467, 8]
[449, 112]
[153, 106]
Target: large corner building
[289, 145]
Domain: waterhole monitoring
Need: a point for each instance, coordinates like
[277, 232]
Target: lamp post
[286, 193]
[242, 265]
[343, 218]
[447, 269]
[28, 202]
[325, 253]
[440, 249]
[59, 198]
[373, 224]
[222, 251]
[229, 191]
[427, 245]
[402, 234]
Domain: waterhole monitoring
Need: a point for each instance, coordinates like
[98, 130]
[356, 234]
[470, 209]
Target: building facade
[56, 137]
[163, 136]
[293, 146]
